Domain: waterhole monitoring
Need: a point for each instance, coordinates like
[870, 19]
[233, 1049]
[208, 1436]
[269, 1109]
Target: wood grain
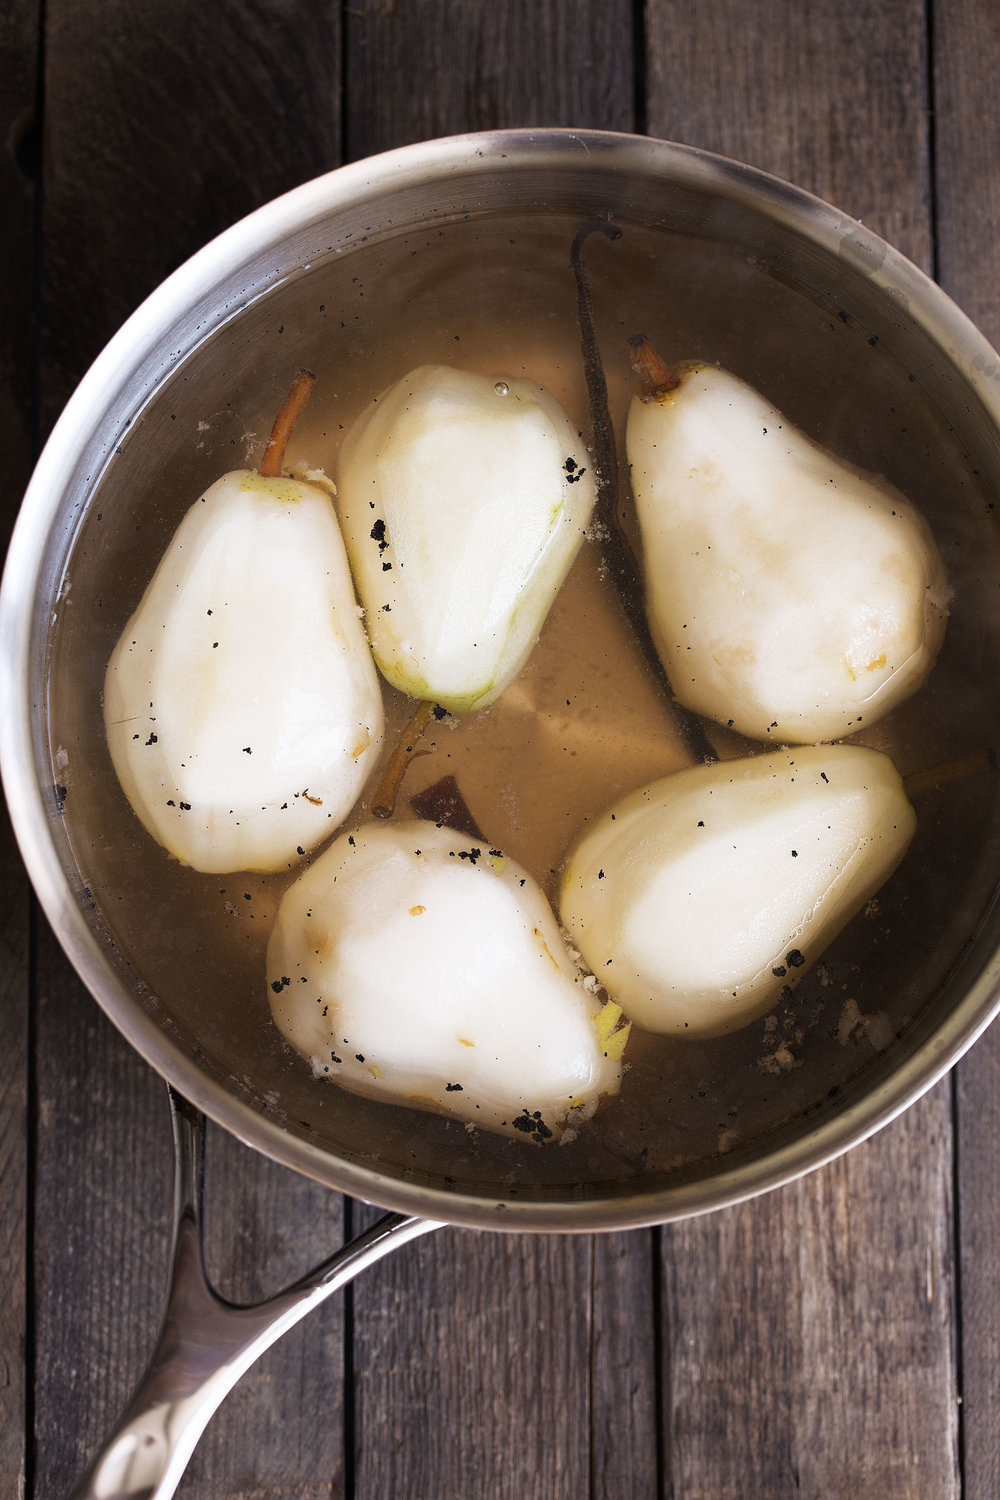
[15, 1163]
[831, 96]
[101, 1214]
[281, 1432]
[471, 1360]
[18, 181]
[809, 1333]
[447, 66]
[19, 172]
[967, 142]
[520, 1367]
[624, 1369]
[103, 1229]
[805, 1353]
[185, 117]
[967, 187]
[804, 1344]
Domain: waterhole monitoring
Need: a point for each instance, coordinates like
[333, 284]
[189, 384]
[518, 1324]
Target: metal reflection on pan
[458, 252]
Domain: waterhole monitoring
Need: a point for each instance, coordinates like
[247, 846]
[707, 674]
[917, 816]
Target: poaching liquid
[586, 722]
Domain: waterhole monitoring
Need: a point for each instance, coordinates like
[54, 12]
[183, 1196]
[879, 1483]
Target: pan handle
[206, 1343]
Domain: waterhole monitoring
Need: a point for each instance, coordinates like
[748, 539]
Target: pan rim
[33, 815]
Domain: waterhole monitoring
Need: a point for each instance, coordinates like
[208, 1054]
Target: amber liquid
[587, 720]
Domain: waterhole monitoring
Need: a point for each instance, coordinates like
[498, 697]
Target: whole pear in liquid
[463, 500]
[789, 594]
[415, 965]
[697, 899]
[241, 704]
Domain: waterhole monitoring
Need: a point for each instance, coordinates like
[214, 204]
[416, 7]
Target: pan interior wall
[586, 723]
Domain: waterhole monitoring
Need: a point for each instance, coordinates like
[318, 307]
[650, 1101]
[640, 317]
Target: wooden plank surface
[831, 97]
[281, 1432]
[472, 1368]
[523, 62]
[817, 1333]
[967, 143]
[507, 1366]
[101, 1222]
[18, 184]
[185, 118]
[804, 1344]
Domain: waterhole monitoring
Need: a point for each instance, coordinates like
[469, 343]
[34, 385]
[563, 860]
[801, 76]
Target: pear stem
[619, 557]
[933, 777]
[658, 379]
[384, 799]
[273, 461]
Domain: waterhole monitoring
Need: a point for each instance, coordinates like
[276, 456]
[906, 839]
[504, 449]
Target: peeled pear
[414, 965]
[241, 704]
[697, 899]
[789, 594]
[463, 500]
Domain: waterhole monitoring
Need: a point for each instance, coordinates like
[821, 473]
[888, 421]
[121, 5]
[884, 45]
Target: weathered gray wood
[805, 1351]
[830, 96]
[101, 1221]
[978, 1126]
[472, 1361]
[515, 1366]
[446, 66]
[18, 70]
[967, 139]
[102, 1212]
[809, 1333]
[281, 1431]
[15, 1319]
[807, 1338]
[624, 1414]
[18, 179]
[182, 118]
[967, 189]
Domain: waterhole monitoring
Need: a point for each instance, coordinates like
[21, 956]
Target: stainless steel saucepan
[459, 251]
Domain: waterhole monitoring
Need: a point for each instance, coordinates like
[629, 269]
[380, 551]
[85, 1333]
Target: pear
[789, 594]
[463, 499]
[414, 965]
[241, 704]
[697, 899]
